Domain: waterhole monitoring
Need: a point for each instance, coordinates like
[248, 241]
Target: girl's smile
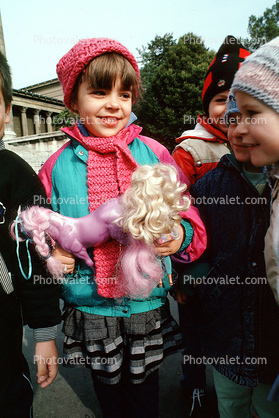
[104, 112]
[109, 121]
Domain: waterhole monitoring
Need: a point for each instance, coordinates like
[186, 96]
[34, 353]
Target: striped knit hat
[259, 75]
[77, 59]
[221, 71]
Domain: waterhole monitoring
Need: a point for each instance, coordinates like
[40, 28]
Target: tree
[64, 118]
[262, 29]
[172, 76]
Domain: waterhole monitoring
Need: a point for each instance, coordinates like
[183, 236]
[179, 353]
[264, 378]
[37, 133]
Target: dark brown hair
[5, 80]
[102, 72]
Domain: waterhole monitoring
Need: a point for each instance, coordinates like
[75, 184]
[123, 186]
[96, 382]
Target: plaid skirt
[112, 345]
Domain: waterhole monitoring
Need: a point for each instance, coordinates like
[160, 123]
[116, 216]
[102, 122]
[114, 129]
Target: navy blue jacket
[240, 326]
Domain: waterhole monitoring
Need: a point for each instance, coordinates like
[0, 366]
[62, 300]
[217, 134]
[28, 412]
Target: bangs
[102, 72]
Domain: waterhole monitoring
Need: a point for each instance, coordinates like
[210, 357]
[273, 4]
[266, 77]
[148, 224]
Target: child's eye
[99, 92]
[126, 95]
[233, 121]
[251, 113]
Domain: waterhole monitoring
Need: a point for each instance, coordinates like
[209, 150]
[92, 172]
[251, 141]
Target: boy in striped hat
[200, 150]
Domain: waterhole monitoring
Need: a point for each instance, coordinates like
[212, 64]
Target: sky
[37, 34]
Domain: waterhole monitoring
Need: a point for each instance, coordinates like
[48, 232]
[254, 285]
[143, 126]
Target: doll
[147, 213]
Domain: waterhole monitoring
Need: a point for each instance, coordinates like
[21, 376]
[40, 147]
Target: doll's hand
[66, 259]
[172, 246]
[46, 356]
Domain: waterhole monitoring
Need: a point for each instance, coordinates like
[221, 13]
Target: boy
[21, 300]
[200, 150]
[236, 331]
[256, 89]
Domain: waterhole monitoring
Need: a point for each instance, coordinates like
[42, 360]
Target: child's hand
[179, 295]
[46, 356]
[67, 259]
[172, 246]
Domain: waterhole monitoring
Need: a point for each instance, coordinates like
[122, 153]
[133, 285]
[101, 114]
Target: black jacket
[34, 303]
[241, 321]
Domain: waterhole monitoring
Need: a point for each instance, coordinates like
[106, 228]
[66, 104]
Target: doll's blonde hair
[151, 205]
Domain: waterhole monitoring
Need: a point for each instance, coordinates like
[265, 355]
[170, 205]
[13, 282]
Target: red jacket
[199, 150]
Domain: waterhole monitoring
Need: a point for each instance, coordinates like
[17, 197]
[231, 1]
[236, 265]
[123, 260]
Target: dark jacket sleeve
[39, 296]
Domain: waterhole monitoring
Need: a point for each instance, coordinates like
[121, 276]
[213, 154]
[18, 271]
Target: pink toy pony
[147, 212]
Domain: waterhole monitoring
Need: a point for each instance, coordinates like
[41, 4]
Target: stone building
[30, 133]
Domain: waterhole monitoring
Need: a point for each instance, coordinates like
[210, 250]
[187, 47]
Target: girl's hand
[172, 246]
[66, 259]
[46, 356]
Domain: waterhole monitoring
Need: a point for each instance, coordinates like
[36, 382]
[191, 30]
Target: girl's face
[259, 129]
[104, 112]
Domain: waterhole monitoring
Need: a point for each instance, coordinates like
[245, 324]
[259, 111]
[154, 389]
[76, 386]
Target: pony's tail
[140, 268]
[32, 223]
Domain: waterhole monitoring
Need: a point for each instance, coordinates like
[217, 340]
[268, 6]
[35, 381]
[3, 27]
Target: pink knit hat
[75, 61]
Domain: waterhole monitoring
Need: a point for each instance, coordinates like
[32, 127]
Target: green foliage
[172, 77]
[65, 118]
[262, 29]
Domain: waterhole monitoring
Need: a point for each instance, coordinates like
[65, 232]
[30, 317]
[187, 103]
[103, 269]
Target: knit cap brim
[259, 75]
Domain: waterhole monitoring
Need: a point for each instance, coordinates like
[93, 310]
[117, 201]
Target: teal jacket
[64, 176]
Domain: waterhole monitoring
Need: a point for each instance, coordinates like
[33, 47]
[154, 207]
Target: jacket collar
[232, 160]
[204, 130]
[229, 160]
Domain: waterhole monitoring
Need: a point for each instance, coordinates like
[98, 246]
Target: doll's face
[259, 129]
[104, 112]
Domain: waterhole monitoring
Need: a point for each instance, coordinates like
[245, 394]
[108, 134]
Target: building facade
[31, 133]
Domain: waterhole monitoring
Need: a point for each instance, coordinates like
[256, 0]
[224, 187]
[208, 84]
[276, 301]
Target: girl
[122, 340]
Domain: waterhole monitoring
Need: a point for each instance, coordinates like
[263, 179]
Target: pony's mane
[33, 222]
[151, 205]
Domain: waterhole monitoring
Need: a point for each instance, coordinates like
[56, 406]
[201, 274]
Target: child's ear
[74, 107]
[7, 113]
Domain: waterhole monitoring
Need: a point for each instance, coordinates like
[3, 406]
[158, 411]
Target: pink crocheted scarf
[110, 166]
